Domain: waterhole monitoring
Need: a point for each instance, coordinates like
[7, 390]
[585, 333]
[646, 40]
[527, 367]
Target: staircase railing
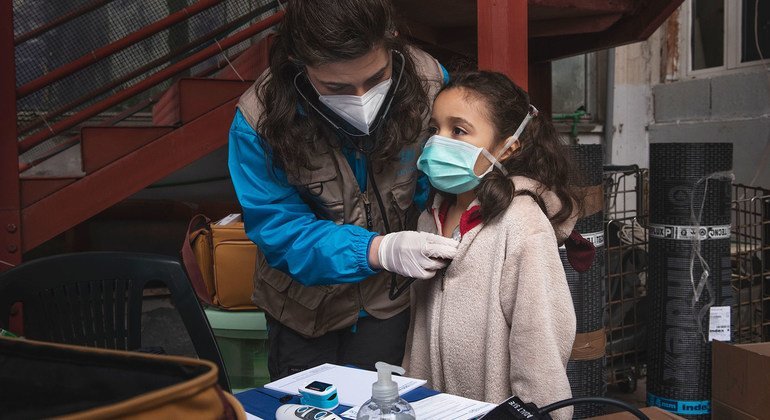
[154, 80]
[10, 201]
[114, 47]
[179, 51]
[103, 104]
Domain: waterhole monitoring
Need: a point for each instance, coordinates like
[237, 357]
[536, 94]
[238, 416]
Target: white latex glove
[416, 254]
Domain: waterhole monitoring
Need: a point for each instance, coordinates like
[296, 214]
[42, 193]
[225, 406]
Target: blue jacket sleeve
[421, 191]
[293, 240]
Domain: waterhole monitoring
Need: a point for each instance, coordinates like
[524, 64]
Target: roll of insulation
[586, 366]
[689, 272]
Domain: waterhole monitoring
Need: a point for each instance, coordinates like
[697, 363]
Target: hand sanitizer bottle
[385, 403]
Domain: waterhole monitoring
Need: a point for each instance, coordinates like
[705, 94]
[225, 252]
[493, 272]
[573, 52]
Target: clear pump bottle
[385, 403]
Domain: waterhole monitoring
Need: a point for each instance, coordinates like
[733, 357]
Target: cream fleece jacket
[499, 321]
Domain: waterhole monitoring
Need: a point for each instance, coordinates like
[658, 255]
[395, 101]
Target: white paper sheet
[442, 407]
[354, 386]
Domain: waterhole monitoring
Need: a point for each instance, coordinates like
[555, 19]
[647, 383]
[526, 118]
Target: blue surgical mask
[449, 163]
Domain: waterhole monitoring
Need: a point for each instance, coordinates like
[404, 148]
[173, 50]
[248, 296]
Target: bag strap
[197, 223]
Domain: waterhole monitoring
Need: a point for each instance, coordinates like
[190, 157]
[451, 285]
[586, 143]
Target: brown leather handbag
[220, 261]
[47, 380]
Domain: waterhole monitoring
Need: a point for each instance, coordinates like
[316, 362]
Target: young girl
[499, 320]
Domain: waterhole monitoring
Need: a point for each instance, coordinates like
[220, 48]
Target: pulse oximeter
[319, 394]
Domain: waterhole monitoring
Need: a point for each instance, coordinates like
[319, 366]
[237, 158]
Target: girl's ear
[510, 150]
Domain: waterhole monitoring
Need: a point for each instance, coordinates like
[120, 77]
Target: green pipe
[575, 117]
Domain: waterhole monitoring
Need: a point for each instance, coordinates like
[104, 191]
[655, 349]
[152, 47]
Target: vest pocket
[286, 300]
[277, 279]
[309, 297]
[320, 189]
[403, 204]
[303, 309]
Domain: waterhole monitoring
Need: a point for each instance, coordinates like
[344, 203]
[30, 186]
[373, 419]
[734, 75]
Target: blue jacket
[292, 238]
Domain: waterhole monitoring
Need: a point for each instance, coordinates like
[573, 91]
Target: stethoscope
[330, 118]
[395, 291]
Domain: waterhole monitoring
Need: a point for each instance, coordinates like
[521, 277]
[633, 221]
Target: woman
[323, 152]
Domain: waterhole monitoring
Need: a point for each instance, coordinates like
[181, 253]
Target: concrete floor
[637, 398]
[162, 327]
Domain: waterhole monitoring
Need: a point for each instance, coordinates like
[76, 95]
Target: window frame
[594, 86]
[733, 31]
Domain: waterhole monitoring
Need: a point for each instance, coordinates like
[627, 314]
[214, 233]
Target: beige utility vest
[332, 192]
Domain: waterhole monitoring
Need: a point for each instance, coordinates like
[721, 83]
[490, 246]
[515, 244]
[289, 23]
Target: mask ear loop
[532, 113]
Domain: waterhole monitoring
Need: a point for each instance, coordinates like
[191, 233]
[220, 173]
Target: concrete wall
[657, 101]
[636, 70]
[728, 108]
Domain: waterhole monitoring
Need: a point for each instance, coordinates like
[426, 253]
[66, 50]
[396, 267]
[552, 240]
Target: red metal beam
[10, 201]
[587, 6]
[540, 87]
[571, 26]
[502, 38]
[88, 196]
[100, 146]
[633, 28]
[34, 189]
[114, 47]
[147, 83]
[60, 21]
[74, 139]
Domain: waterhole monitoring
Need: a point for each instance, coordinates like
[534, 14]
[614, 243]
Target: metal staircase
[102, 143]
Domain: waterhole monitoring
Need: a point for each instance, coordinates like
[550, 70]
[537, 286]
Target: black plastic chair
[95, 299]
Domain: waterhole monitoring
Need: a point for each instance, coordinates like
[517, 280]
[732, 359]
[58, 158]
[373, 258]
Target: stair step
[34, 189]
[104, 145]
[189, 98]
[65, 164]
[86, 197]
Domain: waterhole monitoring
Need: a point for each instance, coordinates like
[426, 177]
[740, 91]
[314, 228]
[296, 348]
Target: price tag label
[719, 323]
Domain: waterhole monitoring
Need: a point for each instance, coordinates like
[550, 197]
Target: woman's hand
[412, 254]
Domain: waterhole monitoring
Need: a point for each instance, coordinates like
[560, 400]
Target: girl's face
[462, 116]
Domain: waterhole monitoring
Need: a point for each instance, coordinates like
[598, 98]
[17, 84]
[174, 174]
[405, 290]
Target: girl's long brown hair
[541, 155]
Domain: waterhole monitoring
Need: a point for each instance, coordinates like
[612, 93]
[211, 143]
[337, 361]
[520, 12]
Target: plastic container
[385, 403]
[242, 339]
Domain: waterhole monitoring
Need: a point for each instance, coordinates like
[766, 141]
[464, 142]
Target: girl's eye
[432, 130]
[457, 131]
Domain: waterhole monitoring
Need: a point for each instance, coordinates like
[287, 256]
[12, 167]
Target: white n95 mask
[359, 111]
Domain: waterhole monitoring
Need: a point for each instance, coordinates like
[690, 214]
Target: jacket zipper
[367, 210]
[439, 332]
[443, 275]
[369, 226]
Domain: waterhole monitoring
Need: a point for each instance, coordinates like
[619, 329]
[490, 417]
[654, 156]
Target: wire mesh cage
[625, 215]
[750, 260]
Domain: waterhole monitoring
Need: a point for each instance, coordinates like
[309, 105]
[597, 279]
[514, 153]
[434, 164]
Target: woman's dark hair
[316, 32]
[540, 156]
